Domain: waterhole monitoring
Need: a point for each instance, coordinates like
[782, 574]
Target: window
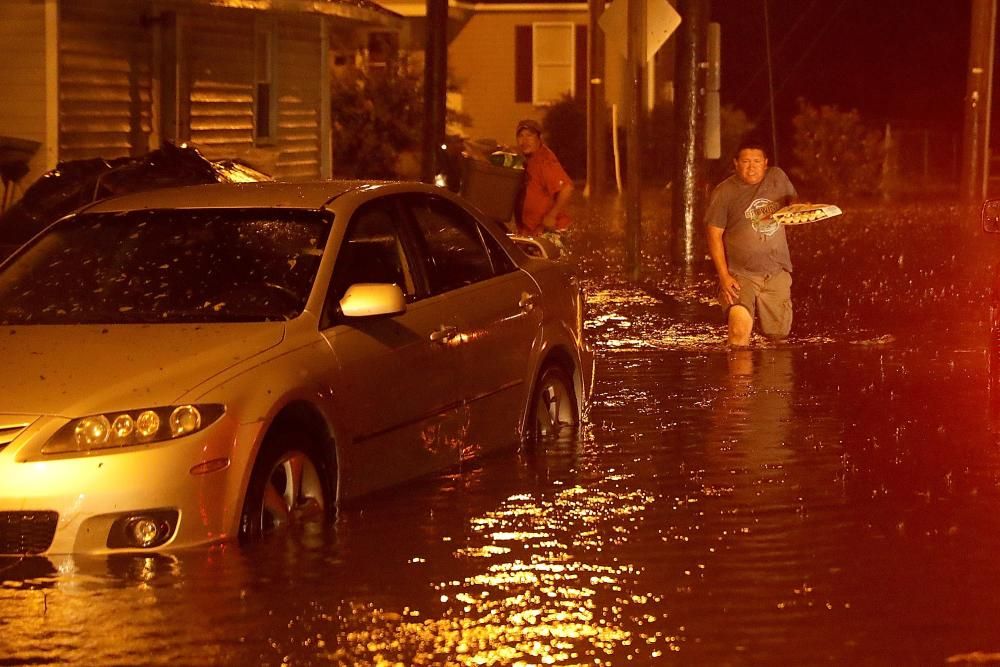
[550, 61]
[455, 254]
[166, 266]
[502, 263]
[371, 252]
[264, 99]
[383, 48]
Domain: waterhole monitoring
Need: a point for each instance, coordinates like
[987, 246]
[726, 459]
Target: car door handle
[527, 302]
[444, 333]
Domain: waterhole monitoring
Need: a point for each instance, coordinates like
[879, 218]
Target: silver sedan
[212, 363]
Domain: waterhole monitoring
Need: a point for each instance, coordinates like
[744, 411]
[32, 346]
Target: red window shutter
[580, 74]
[523, 64]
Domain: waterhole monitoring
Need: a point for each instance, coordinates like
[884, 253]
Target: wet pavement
[832, 500]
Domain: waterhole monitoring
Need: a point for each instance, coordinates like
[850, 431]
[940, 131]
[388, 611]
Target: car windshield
[161, 266]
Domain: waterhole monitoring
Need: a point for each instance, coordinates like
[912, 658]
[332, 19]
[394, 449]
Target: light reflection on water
[793, 505]
[540, 586]
[832, 500]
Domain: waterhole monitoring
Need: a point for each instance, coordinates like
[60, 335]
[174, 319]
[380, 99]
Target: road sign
[661, 21]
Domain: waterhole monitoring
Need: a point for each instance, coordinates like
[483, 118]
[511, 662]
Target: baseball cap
[529, 124]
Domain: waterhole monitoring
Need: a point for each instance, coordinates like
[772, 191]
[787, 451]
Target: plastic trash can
[494, 190]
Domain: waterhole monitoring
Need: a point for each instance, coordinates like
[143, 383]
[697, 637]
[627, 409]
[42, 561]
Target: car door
[398, 391]
[500, 316]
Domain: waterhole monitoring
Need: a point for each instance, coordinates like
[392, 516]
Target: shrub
[378, 119]
[376, 114]
[659, 155]
[565, 125]
[836, 153]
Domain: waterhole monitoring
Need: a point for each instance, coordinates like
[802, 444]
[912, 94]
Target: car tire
[553, 404]
[288, 487]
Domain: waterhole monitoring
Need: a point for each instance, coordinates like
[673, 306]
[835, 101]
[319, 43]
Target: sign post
[646, 25]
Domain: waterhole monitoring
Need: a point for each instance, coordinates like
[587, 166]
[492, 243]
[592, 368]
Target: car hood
[72, 371]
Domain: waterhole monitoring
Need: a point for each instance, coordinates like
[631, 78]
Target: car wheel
[553, 405]
[287, 487]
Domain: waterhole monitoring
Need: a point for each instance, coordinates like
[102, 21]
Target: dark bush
[565, 126]
[659, 155]
[376, 114]
[837, 154]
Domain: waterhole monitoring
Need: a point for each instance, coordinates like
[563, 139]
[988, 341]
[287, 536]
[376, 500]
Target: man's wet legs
[740, 326]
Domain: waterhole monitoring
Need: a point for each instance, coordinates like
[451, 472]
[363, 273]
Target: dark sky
[892, 60]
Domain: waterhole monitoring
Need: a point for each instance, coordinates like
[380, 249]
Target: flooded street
[832, 500]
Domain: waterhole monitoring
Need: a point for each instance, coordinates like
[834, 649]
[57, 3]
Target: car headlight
[131, 427]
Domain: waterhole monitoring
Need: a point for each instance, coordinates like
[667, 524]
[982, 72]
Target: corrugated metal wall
[105, 106]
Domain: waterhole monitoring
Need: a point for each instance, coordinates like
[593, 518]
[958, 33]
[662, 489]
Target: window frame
[412, 259]
[424, 254]
[537, 67]
[265, 131]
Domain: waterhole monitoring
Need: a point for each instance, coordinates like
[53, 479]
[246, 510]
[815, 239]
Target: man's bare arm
[729, 289]
[562, 198]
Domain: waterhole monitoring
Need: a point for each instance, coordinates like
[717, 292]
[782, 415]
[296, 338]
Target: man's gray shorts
[769, 299]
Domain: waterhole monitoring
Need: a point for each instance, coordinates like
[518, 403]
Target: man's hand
[729, 288]
[549, 221]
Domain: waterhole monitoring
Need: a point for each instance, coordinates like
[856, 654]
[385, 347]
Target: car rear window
[162, 266]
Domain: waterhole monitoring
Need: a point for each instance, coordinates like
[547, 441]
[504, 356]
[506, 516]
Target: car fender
[265, 390]
[563, 326]
[556, 340]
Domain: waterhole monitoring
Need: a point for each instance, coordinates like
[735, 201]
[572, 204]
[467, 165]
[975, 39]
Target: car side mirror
[533, 246]
[991, 215]
[372, 299]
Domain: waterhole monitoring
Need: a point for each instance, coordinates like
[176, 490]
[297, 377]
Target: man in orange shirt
[547, 187]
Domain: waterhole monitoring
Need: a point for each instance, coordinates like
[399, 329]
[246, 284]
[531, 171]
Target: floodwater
[832, 500]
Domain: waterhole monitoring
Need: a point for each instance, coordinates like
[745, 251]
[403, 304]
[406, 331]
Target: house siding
[221, 83]
[486, 75]
[105, 83]
[22, 78]
[112, 78]
[300, 76]
[220, 86]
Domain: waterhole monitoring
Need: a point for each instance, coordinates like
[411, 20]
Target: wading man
[547, 187]
[749, 249]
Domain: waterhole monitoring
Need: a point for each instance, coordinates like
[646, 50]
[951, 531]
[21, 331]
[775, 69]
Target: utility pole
[597, 125]
[634, 66]
[435, 87]
[770, 86]
[687, 196]
[978, 93]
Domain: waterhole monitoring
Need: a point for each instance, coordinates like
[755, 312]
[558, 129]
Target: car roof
[306, 195]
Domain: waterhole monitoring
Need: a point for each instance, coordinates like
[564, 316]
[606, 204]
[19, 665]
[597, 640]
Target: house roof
[522, 5]
[526, 3]
[359, 10]
[419, 7]
[346, 8]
